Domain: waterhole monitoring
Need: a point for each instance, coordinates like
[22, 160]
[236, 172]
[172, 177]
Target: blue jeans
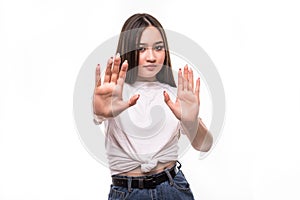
[176, 188]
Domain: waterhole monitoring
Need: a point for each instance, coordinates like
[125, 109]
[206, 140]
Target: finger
[107, 75]
[132, 101]
[168, 100]
[124, 105]
[180, 81]
[197, 90]
[97, 76]
[185, 78]
[115, 70]
[191, 80]
[186, 71]
[123, 71]
[122, 75]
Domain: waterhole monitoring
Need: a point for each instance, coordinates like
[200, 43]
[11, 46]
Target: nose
[150, 55]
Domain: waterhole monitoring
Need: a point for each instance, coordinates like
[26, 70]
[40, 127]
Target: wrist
[190, 127]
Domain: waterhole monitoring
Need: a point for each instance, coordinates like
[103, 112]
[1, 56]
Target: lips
[150, 67]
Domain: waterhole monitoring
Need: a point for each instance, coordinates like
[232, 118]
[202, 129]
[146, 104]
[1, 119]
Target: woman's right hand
[107, 100]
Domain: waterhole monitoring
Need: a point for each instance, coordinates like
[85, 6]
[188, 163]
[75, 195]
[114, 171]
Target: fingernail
[125, 61]
[179, 69]
[118, 55]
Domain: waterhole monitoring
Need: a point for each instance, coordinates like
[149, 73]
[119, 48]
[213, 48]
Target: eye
[142, 49]
[159, 47]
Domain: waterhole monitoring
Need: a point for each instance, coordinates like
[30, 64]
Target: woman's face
[151, 54]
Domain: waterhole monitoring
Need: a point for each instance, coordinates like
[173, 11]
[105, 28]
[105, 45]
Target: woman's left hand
[186, 106]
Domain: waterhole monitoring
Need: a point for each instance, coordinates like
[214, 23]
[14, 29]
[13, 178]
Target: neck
[146, 79]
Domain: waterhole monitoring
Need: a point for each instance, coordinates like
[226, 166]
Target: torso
[143, 139]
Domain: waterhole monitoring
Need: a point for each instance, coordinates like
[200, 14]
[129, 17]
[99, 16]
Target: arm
[201, 139]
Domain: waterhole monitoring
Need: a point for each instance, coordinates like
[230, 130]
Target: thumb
[124, 105]
[168, 100]
[132, 101]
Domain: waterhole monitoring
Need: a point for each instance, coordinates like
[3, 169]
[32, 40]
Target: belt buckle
[150, 182]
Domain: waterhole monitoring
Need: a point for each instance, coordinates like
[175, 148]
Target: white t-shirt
[144, 134]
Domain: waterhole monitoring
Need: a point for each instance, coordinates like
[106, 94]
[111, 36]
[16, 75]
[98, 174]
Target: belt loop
[129, 181]
[169, 176]
[141, 183]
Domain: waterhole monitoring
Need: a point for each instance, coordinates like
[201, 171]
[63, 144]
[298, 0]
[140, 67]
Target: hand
[108, 101]
[186, 106]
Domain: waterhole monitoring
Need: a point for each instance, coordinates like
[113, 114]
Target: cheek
[141, 59]
[162, 57]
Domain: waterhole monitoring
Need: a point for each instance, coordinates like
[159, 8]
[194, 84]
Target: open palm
[186, 106]
[108, 101]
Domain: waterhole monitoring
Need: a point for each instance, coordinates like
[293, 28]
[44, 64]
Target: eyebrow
[153, 44]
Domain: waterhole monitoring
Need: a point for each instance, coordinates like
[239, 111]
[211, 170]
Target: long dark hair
[127, 47]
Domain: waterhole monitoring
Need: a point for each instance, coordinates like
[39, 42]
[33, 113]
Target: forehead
[151, 35]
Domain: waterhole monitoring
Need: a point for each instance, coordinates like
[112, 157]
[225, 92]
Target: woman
[144, 114]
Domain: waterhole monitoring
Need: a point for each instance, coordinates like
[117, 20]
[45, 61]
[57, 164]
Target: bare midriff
[160, 167]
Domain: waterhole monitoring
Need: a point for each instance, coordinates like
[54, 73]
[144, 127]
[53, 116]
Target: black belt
[144, 181]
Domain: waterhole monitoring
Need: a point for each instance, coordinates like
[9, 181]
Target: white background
[254, 44]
